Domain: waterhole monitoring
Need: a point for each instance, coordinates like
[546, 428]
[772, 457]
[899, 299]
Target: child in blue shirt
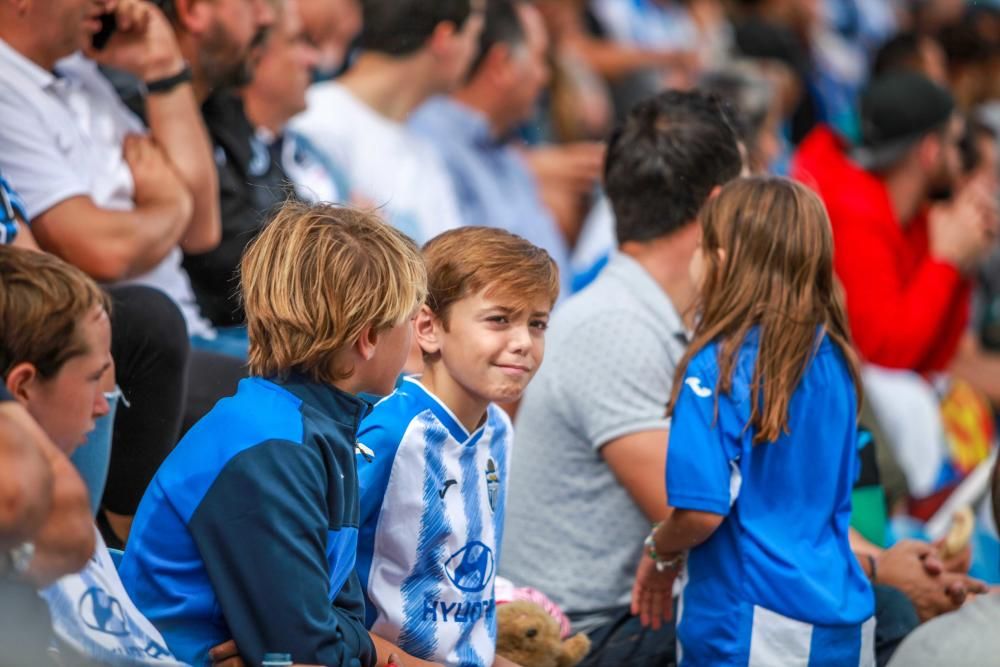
[249, 529]
[434, 456]
[762, 453]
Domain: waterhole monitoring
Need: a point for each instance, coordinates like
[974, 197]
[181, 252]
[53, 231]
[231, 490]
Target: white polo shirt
[387, 163]
[61, 136]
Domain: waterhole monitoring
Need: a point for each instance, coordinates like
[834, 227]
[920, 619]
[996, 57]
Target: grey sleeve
[615, 379]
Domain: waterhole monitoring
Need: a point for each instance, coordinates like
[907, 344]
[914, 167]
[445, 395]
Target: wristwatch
[16, 561]
[168, 83]
[662, 564]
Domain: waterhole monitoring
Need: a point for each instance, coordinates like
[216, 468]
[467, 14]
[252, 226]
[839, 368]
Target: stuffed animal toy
[529, 636]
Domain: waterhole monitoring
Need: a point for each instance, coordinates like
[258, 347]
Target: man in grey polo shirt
[591, 434]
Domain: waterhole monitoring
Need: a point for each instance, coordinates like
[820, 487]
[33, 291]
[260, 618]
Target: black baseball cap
[898, 109]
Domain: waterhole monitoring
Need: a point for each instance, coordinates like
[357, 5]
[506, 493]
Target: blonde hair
[315, 278]
[465, 261]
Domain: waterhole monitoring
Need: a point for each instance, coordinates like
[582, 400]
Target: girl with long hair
[762, 453]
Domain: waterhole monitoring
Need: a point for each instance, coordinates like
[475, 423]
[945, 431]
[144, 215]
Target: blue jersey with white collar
[432, 508]
[777, 583]
[249, 530]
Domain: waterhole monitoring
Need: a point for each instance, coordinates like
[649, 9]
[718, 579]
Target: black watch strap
[168, 83]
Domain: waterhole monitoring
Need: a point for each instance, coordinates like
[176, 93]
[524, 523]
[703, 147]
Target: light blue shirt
[492, 183]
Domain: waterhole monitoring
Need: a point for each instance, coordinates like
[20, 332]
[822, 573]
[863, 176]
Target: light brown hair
[315, 278]
[42, 301]
[463, 262]
[775, 271]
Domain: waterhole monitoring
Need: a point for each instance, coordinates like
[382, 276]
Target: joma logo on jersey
[699, 391]
[457, 612]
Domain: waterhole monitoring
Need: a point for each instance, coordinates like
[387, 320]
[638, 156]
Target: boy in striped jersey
[433, 456]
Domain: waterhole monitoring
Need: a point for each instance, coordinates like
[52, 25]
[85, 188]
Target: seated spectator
[250, 147]
[331, 27]
[904, 264]
[276, 94]
[482, 334]
[758, 481]
[329, 294]
[966, 638]
[100, 195]
[411, 50]
[53, 360]
[472, 129]
[593, 418]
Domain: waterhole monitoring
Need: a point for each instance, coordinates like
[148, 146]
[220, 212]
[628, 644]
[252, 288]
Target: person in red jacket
[906, 241]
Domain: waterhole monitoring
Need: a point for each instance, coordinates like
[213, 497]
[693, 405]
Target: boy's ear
[21, 381]
[425, 329]
[367, 342]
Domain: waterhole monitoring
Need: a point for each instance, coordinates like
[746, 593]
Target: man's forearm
[176, 124]
[66, 540]
[25, 477]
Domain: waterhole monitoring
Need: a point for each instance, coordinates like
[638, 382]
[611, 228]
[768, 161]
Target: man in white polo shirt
[118, 206]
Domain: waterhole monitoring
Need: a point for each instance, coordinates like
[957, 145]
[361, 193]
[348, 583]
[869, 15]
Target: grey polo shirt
[572, 530]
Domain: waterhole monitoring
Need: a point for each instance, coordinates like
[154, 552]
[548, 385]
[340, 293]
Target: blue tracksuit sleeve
[262, 532]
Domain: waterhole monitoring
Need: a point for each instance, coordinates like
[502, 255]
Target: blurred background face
[285, 68]
[948, 169]
[331, 26]
[228, 50]
[529, 61]
[456, 55]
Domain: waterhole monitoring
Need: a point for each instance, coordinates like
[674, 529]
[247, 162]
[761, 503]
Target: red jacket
[906, 309]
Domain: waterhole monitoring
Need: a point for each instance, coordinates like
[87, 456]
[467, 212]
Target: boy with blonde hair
[433, 457]
[249, 530]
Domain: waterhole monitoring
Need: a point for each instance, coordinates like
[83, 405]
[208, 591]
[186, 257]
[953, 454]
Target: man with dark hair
[411, 50]
[594, 419]
[473, 126]
[914, 52]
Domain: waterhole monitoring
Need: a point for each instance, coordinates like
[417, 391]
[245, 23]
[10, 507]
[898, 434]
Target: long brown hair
[768, 256]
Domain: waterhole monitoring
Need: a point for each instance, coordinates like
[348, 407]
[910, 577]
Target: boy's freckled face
[492, 350]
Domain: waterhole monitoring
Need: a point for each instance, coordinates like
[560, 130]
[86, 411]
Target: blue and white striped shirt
[10, 204]
[429, 585]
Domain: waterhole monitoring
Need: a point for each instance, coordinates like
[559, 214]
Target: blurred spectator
[411, 50]
[745, 86]
[904, 264]
[277, 93]
[595, 411]
[258, 162]
[972, 61]
[966, 638]
[330, 27]
[912, 52]
[473, 127]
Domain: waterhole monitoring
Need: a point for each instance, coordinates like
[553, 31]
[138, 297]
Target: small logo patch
[699, 391]
[492, 483]
[447, 485]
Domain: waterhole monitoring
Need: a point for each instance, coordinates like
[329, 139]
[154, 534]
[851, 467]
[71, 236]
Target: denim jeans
[622, 641]
[93, 459]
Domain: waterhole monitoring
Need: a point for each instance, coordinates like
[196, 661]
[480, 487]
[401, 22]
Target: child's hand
[226, 655]
[653, 594]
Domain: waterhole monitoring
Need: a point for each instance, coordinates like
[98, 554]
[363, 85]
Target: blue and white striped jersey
[10, 204]
[432, 508]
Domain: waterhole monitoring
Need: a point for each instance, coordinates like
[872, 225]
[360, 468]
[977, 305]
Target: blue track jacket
[249, 530]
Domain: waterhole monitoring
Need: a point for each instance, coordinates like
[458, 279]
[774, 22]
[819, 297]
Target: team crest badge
[492, 483]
